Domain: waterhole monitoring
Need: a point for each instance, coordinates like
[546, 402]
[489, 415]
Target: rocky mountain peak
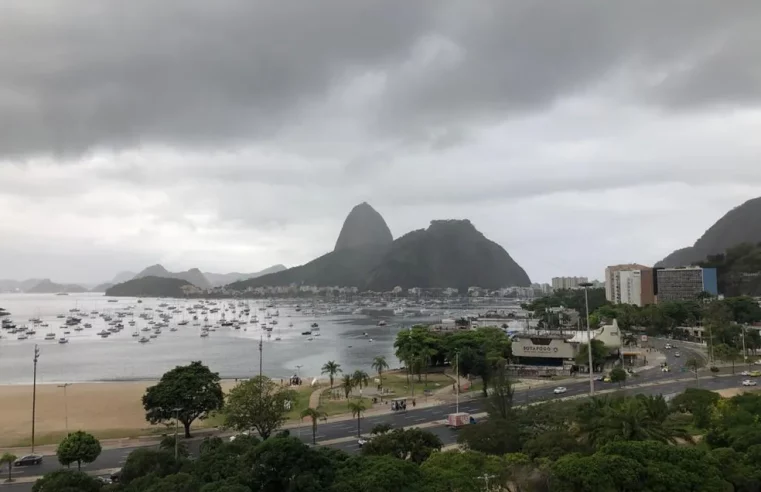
[364, 226]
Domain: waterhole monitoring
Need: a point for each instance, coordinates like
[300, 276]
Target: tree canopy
[258, 403]
[78, 447]
[187, 393]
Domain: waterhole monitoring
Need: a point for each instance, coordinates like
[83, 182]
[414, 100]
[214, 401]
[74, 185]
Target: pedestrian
[413, 403]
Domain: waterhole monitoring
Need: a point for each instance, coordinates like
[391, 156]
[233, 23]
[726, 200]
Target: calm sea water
[232, 353]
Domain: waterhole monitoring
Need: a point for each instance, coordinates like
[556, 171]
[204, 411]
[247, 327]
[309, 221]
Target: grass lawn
[338, 407]
[397, 383]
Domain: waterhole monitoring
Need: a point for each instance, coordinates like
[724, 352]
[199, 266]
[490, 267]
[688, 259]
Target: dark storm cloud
[91, 74]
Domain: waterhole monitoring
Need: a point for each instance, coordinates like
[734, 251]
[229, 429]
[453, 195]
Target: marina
[89, 337]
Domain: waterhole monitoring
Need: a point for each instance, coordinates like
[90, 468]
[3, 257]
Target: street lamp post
[34, 392]
[65, 405]
[586, 286]
[457, 378]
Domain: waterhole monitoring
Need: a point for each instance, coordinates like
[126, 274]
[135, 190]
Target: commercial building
[560, 349]
[567, 282]
[684, 283]
[629, 284]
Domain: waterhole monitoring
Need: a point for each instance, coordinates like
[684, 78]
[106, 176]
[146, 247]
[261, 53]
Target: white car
[560, 390]
[362, 441]
[677, 354]
[749, 382]
[745, 373]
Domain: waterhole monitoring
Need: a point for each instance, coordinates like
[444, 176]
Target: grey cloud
[92, 74]
[115, 75]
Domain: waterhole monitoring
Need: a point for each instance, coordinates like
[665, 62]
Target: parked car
[745, 373]
[755, 374]
[560, 390]
[749, 382]
[362, 441]
[30, 459]
[677, 354]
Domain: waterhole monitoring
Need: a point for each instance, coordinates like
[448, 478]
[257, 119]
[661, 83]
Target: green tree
[65, 480]
[287, 464]
[79, 447]
[357, 408]
[331, 368]
[381, 428]
[180, 482]
[697, 402]
[694, 364]
[727, 353]
[599, 353]
[378, 474]
[187, 393]
[360, 379]
[415, 445]
[380, 365]
[258, 403]
[314, 415]
[347, 384]
[145, 461]
[499, 403]
[618, 375]
[168, 444]
[451, 471]
[492, 436]
[9, 459]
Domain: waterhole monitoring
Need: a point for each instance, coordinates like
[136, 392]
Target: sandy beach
[105, 409]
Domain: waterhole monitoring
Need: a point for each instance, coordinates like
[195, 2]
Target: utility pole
[65, 404]
[34, 392]
[745, 353]
[586, 286]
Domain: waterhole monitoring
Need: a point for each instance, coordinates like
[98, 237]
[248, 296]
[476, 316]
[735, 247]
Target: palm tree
[357, 408]
[10, 459]
[380, 365]
[314, 415]
[348, 384]
[331, 368]
[360, 379]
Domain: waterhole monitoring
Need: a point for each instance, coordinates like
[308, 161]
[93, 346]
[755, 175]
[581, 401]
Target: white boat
[310, 339]
[144, 340]
[23, 336]
[204, 334]
[135, 333]
[50, 336]
[63, 340]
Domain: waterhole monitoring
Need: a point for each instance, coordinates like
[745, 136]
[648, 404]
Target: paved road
[648, 382]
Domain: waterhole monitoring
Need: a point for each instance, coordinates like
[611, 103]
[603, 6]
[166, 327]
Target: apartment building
[629, 284]
[684, 283]
[567, 282]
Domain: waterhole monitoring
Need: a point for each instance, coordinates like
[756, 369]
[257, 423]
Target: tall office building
[629, 284]
[567, 282]
[684, 283]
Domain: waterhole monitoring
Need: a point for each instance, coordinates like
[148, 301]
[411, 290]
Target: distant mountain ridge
[740, 225]
[47, 286]
[193, 276]
[18, 285]
[152, 286]
[450, 253]
[219, 279]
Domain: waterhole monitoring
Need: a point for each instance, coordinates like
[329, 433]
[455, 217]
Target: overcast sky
[233, 135]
